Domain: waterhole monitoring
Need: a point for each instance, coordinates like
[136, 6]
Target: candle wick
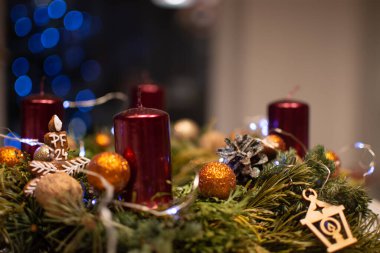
[139, 103]
[293, 91]
[42, 86]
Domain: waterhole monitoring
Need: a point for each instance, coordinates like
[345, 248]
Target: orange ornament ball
[216, 180]
[113, 167]
[11, 156]
[103, 140]
[332, 156]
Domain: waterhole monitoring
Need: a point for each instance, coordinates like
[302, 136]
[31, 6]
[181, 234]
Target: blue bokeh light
[50, 37]
[41, 16]
[74, 56]
[34, 43]
[18, 11]
[61, 85]
[20, 66]
[57, 9]
[23, 26]
[78, 128]
[52, 65]
[73, 20]
[23, 85]
[12, 143]
[90, 70]
[84, 95]
[86, 117]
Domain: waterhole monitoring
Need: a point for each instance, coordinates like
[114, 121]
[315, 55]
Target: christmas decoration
[327, 222]
[212, 140]
[37, 110]
[142, 135]
[185, 129]
[57, 139]
[332, 156]
[11, 156]
[245, 156]
[53, 156]
[216, 180]
[272, 143]
[103, 139]
[113, 167]
[58, 188]
[292, 117]
[261, 216]
[43, 154]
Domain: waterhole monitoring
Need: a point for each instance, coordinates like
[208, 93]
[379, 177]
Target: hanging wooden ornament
[54, 156]
[327, 222]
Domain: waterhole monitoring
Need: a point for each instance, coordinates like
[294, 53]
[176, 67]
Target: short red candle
[152, 96]
[142, 137]
[293, 117]
[37, 110]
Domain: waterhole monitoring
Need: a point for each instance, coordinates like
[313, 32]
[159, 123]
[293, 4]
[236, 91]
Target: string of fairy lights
[50, 36]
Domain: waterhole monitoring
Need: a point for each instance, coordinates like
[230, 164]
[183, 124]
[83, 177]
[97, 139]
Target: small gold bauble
[216, 180]
[42, 154]
[275, 141]
[11, 156]
[113, 167]
[103, 140]
[332, 156]
[272, 144]
[212, 140]
[186, 129]
[58, 188]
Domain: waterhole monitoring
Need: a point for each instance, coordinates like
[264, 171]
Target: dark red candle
[292, 117]
[142, 137]
[152, 96]
[37, 110]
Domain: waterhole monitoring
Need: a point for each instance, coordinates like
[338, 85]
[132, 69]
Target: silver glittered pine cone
[244, 155]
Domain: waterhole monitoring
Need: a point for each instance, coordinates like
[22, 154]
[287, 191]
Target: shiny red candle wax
[293, 117]
[37, 110]
[142, 137]
[152, 96]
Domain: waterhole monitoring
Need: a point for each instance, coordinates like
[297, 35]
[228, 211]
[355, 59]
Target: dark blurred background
[88, 48]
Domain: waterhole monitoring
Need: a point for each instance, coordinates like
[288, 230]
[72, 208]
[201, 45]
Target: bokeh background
[216, 59]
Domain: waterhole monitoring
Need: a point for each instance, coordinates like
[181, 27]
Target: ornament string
[283, 132]
[171, 211]
[97, 101]
[366, 147]
[105, 213]
[31, 142]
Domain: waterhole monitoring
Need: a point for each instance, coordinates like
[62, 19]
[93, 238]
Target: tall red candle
[152, 96]
[292, 117]
[142, 137]
[37, 110]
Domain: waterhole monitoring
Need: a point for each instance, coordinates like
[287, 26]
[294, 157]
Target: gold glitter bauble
[58, 187]
[186, 129]
[113, 167]
[273, 143]
[103, 140]
[11, 156]
[212, 140]
[332, 156]
[216, 180]
[42, 154]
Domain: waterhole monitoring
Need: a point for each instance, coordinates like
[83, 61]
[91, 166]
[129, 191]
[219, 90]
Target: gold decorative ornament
[186, 129]
[113, 167]
[42, 154]
[327, 222]
[11, 156]
[216, 180]
[212, 140]
[103, 140]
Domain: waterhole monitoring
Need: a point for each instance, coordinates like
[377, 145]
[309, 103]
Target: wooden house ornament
[327, 222]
